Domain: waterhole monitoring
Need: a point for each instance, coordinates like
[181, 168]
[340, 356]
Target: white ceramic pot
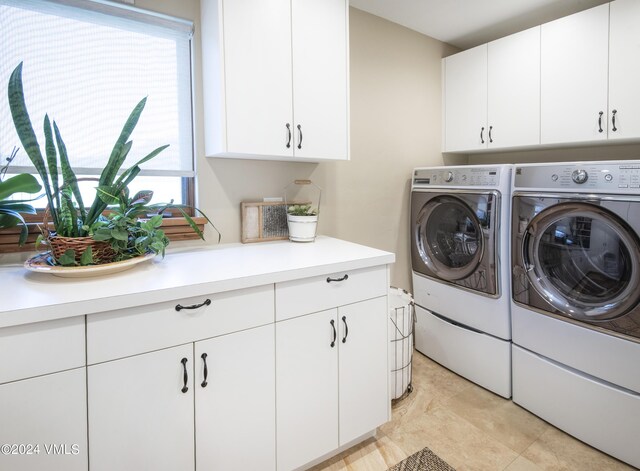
[302, 228]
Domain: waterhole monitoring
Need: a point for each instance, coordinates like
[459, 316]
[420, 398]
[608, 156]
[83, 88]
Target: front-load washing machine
[459, 257]
[576, 300]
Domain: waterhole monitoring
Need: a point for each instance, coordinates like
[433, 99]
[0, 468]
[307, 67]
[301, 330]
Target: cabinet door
[574, 65]
[139, 418]
[320, 78]
[50, 412]
[465, 100]
[236, 407]
[624, 72]
[363, 368]
[257, 64]
[306, 388]
[514, 90]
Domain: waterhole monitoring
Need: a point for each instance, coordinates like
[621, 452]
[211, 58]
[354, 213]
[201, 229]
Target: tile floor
[471, 429]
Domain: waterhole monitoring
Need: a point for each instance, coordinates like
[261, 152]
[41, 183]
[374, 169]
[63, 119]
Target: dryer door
[583, 260]
[453, 238]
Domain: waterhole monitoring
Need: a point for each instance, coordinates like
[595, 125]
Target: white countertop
[28, 297]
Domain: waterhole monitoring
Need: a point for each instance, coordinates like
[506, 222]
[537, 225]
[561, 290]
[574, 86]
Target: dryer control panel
[457, 176]
[613, 177]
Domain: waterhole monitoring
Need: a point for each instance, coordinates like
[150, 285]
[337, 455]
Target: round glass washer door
[449, 238]
[583, 260]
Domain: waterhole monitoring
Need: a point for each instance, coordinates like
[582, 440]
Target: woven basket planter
[102, 251]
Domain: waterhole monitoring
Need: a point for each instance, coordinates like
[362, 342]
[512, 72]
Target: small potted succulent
[302, 220]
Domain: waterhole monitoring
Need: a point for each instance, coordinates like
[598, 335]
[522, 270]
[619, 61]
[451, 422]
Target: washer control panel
[457, 176]
[615, 177]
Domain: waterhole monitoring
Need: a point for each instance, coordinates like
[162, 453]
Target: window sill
[176, 228]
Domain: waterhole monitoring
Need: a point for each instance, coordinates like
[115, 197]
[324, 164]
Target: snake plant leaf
[52, 157]
[67, 226]
[22, 183]
[24, 129]
[146, 158]
[68, 175]
[111, 169]
[108, 194]
[99, 205]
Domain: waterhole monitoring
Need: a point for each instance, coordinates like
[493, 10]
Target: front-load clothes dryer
[576, 300]
[459, 257]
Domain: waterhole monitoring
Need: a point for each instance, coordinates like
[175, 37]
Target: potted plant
[11, 210]
[79, 231]
[302, 220]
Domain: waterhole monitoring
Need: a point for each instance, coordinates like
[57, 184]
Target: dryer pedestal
[481, 358]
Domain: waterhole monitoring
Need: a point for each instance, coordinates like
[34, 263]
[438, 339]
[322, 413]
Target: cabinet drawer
[126, 332]
[44, 347]
[295, 298]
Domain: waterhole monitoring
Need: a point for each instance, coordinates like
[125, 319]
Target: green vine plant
[128, 228]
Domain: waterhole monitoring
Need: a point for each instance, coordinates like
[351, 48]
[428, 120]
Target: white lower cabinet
[363, 368]
[332, 380]
[235, 401]
[141, 416]
[142, 413]
[43, 423]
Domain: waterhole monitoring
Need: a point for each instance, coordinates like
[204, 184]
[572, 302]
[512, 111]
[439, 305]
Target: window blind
[87, 63]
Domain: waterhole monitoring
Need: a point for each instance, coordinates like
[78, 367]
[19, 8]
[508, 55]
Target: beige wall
[395, 126]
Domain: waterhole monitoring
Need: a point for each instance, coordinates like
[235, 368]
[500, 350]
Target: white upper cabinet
[571, 81]
[492, 94]
[257, 76]
[513, 104]
[275, 78]
[624, 70]
[465, 100]
[320, 78]
[574, 70]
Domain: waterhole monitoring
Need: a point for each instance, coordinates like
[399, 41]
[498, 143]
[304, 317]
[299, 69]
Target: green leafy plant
[69, 214]
[128, 228]
[11, 210]
[302, 210]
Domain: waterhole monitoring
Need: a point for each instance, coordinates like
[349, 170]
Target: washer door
[583, 260]
[449, 238]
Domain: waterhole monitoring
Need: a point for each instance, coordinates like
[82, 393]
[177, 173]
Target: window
[87, 63]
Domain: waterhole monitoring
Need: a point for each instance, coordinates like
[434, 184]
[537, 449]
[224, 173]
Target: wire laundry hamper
[402, 319]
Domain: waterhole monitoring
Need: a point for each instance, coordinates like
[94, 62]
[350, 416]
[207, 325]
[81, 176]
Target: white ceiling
[467, 23]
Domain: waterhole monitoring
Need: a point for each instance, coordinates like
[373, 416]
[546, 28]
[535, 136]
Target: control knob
[448, 177]
[579, 176]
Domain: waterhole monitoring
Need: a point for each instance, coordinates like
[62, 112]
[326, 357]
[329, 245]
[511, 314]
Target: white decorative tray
[39, 264]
